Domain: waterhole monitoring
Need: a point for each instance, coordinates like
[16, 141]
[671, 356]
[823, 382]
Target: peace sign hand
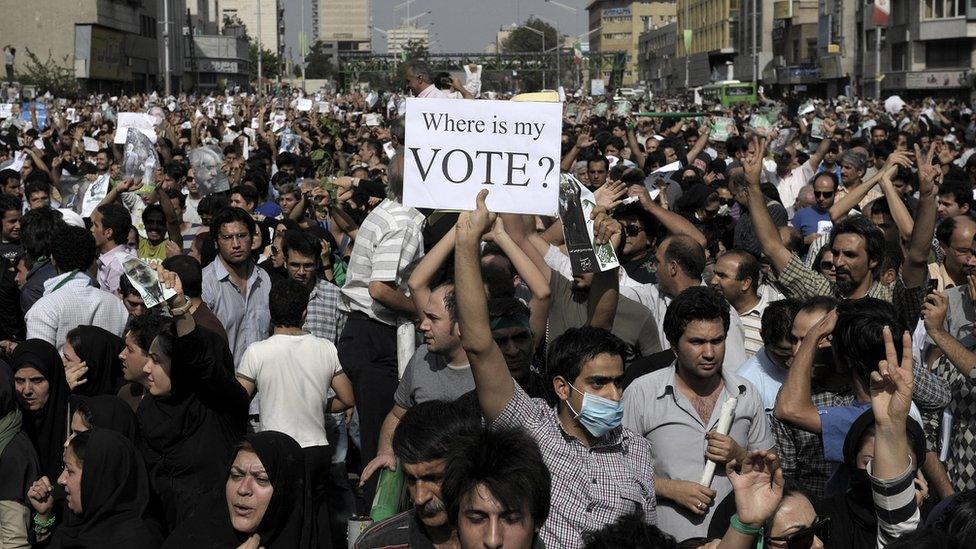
[892, 384]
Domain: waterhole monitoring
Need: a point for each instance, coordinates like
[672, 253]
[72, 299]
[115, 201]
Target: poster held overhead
[455, 148]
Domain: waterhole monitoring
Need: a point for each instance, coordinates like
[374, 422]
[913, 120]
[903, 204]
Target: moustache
[432, 508]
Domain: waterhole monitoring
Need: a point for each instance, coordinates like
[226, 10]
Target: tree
[317, 62]
[416, 50]
[523, 40]
[49, 75]
[269, 62]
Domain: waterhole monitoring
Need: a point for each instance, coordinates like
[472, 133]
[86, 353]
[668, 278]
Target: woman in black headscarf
[265, 495]
[18, 465]
[43, 394]
[104, 412]
[106, 489]
[98, 351]
[852, 514]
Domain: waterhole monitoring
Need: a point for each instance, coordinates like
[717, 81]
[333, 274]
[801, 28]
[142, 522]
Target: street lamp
[580, 39]
[568, 8]
[543, 35]
[558, 48]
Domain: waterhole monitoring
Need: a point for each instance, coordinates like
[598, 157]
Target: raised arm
[703, 134]
[794, 404]
[899, 212]
[674, 223]
[635, 148]
[933, 315]
[915, 270]
[779, 255]
[605, 291]
[584, 141]
[493, 383]
[426, 269]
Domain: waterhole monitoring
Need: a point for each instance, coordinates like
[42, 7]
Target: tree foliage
[416, 50]
[49, 75]
[269, 62]
[317, 62]
[522, 40]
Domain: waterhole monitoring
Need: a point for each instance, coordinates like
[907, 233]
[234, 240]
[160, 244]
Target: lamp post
[543, 35]
[558, 48]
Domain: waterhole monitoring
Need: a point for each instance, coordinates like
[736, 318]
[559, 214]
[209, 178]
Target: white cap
[72, 218]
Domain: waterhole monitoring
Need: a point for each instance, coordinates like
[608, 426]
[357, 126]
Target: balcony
[938, 29]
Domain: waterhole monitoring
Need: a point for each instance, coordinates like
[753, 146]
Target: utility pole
[260, 52]
[755, 54]
[304, 46]
[685, 42]
[166, 77]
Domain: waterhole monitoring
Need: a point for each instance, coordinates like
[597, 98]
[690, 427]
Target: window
[945, 54]
[899, 56]
[943, 9]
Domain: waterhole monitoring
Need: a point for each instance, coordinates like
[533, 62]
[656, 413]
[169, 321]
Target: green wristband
[746, 529]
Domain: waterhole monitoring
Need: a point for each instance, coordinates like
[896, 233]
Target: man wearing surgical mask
[600, 470]
[678, 409]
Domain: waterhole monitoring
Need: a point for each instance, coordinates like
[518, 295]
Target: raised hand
[608, 196]
[758, 486]
[584, 140]
[892, 384]
[934, 311]
[928, 175]
[605, 228]
[474, 224]
[752, 166]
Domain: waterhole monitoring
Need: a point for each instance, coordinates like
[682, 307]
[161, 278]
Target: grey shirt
[246, 317]
[658, 411]
[429, 377]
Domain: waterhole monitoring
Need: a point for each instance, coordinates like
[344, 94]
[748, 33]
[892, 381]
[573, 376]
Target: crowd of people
[783, 358]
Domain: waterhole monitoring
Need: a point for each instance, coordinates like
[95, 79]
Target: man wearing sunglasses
[814, 220]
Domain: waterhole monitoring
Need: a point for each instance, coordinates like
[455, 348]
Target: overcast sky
[460, 26]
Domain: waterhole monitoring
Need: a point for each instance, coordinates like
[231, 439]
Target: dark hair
[231, 215]
[450, 299]
[498, 279]
[34, 186]
[630, 531]
[153, 209]
[247, 192]
[190, 272]
[73, 248]
[508, 463]
[822, 303]
[126, 287]
[178, 195]
[858, 340]
[959, 521]
[961, 192]
[695, 303]
[286, 159]
[116, 217]
[10, 204]
[7, 174]
[926, 538]
[303, 243]
[37, 230]
[427, 431]
[288, 302]
[212, 203]
[873, 237]
[601, 158]
[748, 267]
[777, 321]
[146, 328]
[687, 253]
[507, 307]
[577, 346]
[944, 230]
[734, 145]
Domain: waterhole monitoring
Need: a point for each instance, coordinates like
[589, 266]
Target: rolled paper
[724, 424]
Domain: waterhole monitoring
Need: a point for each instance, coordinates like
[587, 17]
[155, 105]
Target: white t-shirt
[293, 374]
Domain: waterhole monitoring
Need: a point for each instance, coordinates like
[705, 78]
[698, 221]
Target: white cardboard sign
[145, 123]
[454, 148]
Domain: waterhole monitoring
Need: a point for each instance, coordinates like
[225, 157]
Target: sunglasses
[823, 194]
[632, 230]
[803, 539]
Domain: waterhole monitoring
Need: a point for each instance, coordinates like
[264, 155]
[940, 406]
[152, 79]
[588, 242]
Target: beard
[432, 508]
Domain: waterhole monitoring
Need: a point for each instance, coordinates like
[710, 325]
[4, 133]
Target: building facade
[620, 24]
[794, 65]
[347, 23]
[263, 20]
[655, 56]
[752, 39]
[706, 49]
[399, 38]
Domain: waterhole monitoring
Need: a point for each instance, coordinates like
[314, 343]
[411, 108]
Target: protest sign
[303, 105]
[597, 87]
[206, 162]
[141, 122]
[144, 279]
[721, 129]
[576, 203]
[91, 144]
[139, 161]
[6, 110]
[456, 148]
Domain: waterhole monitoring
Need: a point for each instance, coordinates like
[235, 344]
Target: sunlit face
[851, 263]
[157, 369]
[851, 174]
[440, 332]
[32, 388]
[636, 241]
[484, 523]
[725, 278]
[102, 162]
[248, 492]
[38, 199]
[98, 230]
[701, 349]
[234, 242]
[596, 173]
[301, 268]
[424, 484]
[950, 207]
[78, 424]
[237, 201]
[826, 266]
[70, 480]
[11, 226]
[133, 359]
